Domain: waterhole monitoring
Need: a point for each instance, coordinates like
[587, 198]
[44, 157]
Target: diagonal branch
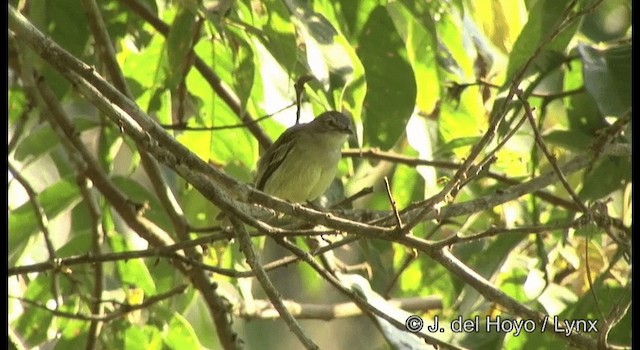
[276, 299]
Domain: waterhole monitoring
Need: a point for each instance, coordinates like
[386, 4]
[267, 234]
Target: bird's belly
[304, 180]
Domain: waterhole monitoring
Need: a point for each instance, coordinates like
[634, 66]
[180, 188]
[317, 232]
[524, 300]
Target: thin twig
[408, 259]
[121, 312]
[550, 157]
[18, 128]
[184, 127]
[169, 252]
[146, 229]
[618, 311]
[43, 223]
[547, 97]
[347, 201]
[97, 239]
[411, 161]
[299, 87]
[393, 204]
[493, 231]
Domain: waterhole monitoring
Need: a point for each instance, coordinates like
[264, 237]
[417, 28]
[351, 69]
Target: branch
[276, 299]
[483, 203]
[168, 252]
[264, 309]
[550, 157]
[166, 149]
[97, 239]
[362, 304]
[411, 161]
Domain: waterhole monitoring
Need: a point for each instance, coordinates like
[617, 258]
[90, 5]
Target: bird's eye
[331, 122]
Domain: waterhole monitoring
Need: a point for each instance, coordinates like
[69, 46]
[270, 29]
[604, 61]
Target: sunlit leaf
[544, 18]
[179, 44]
[132, 272]
[421, 48]
[180, 334]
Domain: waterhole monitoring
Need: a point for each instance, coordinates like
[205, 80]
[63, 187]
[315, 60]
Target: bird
[302, 163]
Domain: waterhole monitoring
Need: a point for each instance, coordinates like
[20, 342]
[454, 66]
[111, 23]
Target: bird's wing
[274, 156]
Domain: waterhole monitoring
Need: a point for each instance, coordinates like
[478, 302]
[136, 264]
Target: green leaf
[243, 79]
[179, 44]
[607, 77]
[132, 272]
[34, 322]
[327, 59]
[140, 195]
[486, 264]
[180, 334]
[391, 86]
[500, 20]
[405, 186]
[55, 200]
[349, 91]
[453, 144]
[40, 141]
[80, 243]
[144, 67]
[279, 34]
[73, 332]
[573, 140]
[355, 14]
[513, 284]
[454, 56]
[605, 178]
[241, 151]
[17, 104]
[215, 145]
[421, 47]
[544, 19]
[145, 337]
[583, 114]
[62, 20]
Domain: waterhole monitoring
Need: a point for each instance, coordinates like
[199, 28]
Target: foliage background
[424, 82]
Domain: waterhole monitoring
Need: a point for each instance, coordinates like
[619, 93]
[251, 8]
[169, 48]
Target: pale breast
[299, 181]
